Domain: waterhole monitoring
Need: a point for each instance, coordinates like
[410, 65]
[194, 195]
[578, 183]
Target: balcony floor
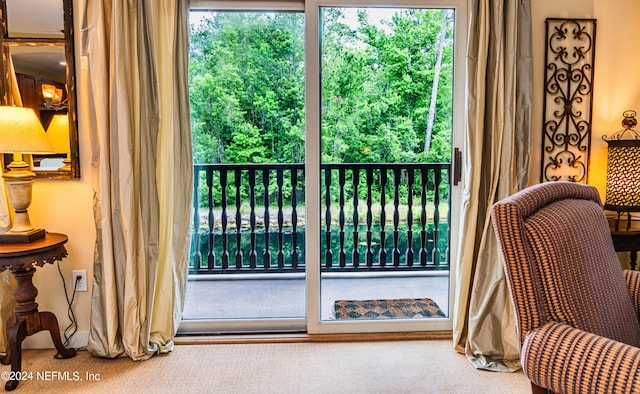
[247, 296]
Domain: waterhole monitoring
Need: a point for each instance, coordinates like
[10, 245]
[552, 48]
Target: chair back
[560, 262]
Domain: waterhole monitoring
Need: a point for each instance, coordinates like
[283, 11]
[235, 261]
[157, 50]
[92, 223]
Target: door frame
[315, 325]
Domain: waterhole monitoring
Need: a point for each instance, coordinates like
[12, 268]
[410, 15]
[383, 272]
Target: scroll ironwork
[569, 58]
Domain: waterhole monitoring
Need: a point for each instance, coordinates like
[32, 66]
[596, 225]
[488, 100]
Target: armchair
[576, 309]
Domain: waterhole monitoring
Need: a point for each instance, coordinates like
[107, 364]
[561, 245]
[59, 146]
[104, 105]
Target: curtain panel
[134, 68]
[498, 139]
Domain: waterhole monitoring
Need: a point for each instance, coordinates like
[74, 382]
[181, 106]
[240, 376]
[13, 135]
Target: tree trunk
[436, 76]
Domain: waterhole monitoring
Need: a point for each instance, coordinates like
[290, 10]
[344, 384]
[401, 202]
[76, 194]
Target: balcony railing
[376, 217]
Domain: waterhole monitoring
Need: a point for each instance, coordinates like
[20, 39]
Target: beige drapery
[134, 67]
[499, 78]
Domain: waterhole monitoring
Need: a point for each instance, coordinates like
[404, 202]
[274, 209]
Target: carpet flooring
[394, 367]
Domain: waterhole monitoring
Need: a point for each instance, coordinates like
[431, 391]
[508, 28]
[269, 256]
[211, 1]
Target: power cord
[71, 329]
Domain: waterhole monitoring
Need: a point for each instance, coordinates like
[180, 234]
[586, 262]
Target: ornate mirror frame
[67, 41]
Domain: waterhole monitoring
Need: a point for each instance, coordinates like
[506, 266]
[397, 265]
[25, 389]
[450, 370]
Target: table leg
[26, 321]
[6, 359]
[633, 257]
[49, 322]
[17, 334]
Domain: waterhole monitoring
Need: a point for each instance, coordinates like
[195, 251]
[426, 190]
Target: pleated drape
[134, 66]
[498, 137]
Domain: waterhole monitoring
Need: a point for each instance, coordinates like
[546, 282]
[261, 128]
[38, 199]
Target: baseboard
[302, 337]
[42, 340]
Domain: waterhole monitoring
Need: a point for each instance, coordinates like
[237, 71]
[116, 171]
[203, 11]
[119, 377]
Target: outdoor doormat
[405, 308]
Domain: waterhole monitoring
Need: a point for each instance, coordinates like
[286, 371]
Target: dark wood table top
[624, 225]
[23, 256]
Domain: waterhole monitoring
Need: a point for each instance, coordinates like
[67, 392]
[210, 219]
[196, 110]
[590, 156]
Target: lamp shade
[48, 91]
[57, 96]
[21, 131]
[623, 176]
[58, 134]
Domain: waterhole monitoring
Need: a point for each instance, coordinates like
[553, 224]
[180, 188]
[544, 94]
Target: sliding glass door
[323, 135]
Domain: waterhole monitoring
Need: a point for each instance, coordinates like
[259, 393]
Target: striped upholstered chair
[577, 310]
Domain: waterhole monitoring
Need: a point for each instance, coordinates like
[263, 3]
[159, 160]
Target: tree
[247, 87]
[436, 77]
[386, 86]
[376, 78]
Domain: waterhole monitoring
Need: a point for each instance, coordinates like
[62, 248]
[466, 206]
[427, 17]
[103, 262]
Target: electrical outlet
[80, 284]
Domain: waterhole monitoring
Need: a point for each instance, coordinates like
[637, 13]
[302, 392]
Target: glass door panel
[246, 85]
[386, 93]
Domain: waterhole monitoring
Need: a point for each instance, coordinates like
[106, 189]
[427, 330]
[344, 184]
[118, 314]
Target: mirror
[38, 72]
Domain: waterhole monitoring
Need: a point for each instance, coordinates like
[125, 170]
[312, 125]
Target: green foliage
[247, 100]
[246, 84]
[246, 80]
[376, 88]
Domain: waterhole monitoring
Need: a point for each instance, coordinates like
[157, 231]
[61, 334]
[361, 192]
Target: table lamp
[623, 169]
[58, 136]
[21, 132]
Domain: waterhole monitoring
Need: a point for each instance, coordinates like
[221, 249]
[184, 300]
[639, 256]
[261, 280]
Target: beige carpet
[419, 366]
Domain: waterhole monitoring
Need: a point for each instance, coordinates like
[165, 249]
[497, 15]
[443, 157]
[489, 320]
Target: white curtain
[134, 66]
[498, 138]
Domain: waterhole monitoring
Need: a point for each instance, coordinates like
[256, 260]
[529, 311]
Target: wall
[617, 80]
[540, 11]
[66, 205]
[615, 72]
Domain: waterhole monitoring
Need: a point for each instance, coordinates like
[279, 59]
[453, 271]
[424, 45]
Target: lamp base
[22, 237]
[67, 164]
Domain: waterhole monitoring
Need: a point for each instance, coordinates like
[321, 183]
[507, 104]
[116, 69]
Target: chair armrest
[633, 281]
[565, 359]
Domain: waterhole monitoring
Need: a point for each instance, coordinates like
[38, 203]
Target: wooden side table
[27, 320]
[625, 233]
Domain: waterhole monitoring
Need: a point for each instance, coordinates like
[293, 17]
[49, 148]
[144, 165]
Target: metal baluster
[328, 254]
[342, 256]
[355, 255]
[279, 181]
[382, 254]
[211, 255]
[435, 253]
[409, 251]
[369, 252]
[223, 218]
[294, 218]
[266, 253]
[197, 254]
[396, 217]
[423, 216]
[253, 255]
[431, 252]
[238, 185]
[448, 221]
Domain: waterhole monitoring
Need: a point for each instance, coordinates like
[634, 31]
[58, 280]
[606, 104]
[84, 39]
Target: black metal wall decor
[568, 99]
